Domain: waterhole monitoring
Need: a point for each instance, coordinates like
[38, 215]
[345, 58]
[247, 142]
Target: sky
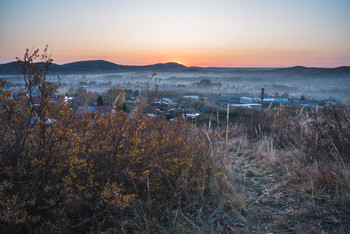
[220, 33]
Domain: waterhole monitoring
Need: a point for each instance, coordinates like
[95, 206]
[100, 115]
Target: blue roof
[285, 100]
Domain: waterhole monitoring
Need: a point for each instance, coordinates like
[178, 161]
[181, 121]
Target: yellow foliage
[57, 174]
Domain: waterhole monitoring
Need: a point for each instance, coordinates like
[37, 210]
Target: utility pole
[262, 97]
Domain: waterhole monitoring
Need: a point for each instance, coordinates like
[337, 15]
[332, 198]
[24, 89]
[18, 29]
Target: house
[247, 100]
[283, 100]
[192, 116]
[232, 95]
[249, 106]
[151, 115]
[268, 100]
[192, 97]
[162, 102]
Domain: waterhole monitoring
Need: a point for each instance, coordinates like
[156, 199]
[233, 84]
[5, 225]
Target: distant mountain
[8, 68]
[167, 66]
[91, 65]
[314, 71]
[343, 69]
[94, 66]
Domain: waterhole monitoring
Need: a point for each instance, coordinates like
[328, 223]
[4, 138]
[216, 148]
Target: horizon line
[223, 67]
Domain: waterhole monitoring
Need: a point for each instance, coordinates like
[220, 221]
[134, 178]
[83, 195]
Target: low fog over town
[83, 82]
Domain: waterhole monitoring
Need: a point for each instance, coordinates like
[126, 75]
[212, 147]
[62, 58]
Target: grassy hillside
[273, 171]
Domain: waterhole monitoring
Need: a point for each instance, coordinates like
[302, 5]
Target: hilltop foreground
[274, 171]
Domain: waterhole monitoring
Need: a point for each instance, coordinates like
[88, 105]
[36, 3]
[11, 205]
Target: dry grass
[272, 171]
[267, 150]
[289, 171]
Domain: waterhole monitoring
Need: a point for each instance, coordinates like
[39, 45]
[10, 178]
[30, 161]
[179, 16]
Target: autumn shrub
[61, 171]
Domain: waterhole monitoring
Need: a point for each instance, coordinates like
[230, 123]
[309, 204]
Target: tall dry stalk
[227, 125]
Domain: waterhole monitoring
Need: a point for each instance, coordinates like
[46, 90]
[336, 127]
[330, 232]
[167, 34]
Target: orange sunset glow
[195, 33]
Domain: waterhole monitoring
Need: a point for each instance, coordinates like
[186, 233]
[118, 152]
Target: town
[200, 101]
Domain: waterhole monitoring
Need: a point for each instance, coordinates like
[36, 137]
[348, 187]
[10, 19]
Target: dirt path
[275, 205]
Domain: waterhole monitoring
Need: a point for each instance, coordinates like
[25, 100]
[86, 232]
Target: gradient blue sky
[229, 33]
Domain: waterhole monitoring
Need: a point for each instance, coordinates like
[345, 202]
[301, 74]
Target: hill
[92, 66]
[314, 71]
